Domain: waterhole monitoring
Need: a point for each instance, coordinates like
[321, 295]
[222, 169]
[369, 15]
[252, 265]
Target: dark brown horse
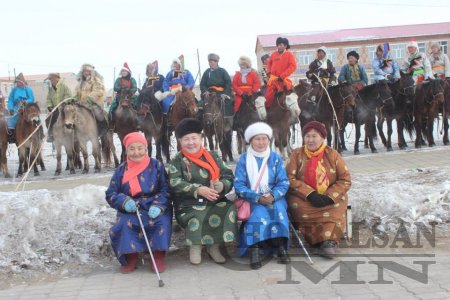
[29, 138]
[81, 120]
[150, 119]
[279, 118]
[252, 110]
[369, 99]
[125, 120]
[429, 96]
[402, 111]
[184, 106]
[445, 110]
[3, 142]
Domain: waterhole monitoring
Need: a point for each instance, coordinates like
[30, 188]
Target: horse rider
[417, 63]
[90, 92]
[324, 69]
[125, 87]
[264, 73]
[175, 80]
[216, 79]
[353, 73]
[440, 64]
[281, 65]
[384, 67]
[58, 91]
[153, 83]
[19, 96]
[245, 83]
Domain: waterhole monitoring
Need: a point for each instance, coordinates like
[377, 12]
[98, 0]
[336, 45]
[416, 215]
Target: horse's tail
[408, 124]
[373, 131]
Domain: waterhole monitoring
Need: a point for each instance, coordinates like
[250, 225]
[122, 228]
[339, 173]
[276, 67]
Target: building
[38, 85]
[362, 40]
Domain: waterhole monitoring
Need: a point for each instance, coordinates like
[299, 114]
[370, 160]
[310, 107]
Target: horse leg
[400, 136]
[445, 139]
[158, 148]
[165, 146]
[342, 138]
[229, 142]
[369, 133]
[35, 167]
[97, 155]
[106, 151]
[41, 162]
[21, 161]
[389, 132]
[329, 135]
[430, 126]
[85, 158]
[4, 162]
[380, 130]
[418, 127]
[357, 137]
[123, 154]
[58, 147]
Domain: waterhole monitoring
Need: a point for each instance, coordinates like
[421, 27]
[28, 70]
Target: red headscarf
[134, 168]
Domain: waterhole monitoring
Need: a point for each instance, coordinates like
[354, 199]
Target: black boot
[328, 249]
[11, 136]
[283, 256]
[255, 260]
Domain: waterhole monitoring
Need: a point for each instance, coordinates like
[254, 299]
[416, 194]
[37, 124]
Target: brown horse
[184, 106]
[3, 142]
[82, 121]
[445, 109]
[279, 118]
[150, 120]
[29, 137]
[252, 110]
[125, 121]
[429, 96]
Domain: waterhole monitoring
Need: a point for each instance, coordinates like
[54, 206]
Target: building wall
[337, 52]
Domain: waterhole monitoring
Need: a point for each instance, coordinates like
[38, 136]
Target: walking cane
[161, 283]
[300, 242]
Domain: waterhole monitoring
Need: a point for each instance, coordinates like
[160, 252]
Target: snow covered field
[46, 231]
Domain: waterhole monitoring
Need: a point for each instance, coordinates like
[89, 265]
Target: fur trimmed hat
[257, 128]
[126, 68]
[187, 126]
[88, 67]
[323, 49]
[413, 43]
[54, 76]
[354, 54]
[319, 127]
[282, 40]
[213, 56]
[20, 78]
[245, 60]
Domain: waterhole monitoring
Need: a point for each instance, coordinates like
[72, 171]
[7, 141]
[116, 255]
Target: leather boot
[283, 256]
[159, 260]
[328, 249]
[255, 260]
[195, 254]
[214, 253]
[132, 259]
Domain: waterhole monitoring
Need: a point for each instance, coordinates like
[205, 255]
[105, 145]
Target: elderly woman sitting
[261, 180]
[139, 184]
[317, 197]
[199, 181]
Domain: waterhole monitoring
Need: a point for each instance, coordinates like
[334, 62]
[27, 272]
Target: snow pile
[41, 228]
[409, 196]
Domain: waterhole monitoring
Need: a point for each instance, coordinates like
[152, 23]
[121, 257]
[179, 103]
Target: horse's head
[407, 86]
[125, 102]
[187, 98]
[260, 105]
[211, 109]
[346, 94]
[69, 116]
[31, 113]
[436, 90]
[292, 104]
[384, 94]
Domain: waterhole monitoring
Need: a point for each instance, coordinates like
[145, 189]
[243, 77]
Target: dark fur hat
[188, 125]
[281, 40]
[354, 54]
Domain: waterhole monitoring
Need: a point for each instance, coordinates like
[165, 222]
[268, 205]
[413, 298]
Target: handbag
[243, 206]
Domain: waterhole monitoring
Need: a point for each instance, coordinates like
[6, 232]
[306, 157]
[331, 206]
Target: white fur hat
[245, 60]
[257, 128]
[413, 44]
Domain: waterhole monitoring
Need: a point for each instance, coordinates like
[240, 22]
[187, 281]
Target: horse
[429, 96]
[3, 142]
[29, 138]
[252, 110]
[368, 100]
[184, 106]
[125, 120]
[81, 120]
[445, 109]
[279, 118]
[150, 119]
[403, 95]
[214, 125]
[64, 135]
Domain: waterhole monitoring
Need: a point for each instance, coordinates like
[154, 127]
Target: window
[332, 55]
[422, 48]
[444, 46]
[398, 51]
[371, 50]
[305, 57]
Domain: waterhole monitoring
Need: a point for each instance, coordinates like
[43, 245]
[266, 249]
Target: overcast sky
[59, 36]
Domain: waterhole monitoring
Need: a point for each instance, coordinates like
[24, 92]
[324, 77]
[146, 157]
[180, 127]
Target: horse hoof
[344, 148]
[85, 172]
[357, 152]
[418, 146]
[446, 143]
[432, 145]
[7, 176]
[374, 151]
[57, 173]
[43, 169]
[366, 146]
[72, 171]
[389, 149]
[402, 147]
[97, 171]
[36, 174]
